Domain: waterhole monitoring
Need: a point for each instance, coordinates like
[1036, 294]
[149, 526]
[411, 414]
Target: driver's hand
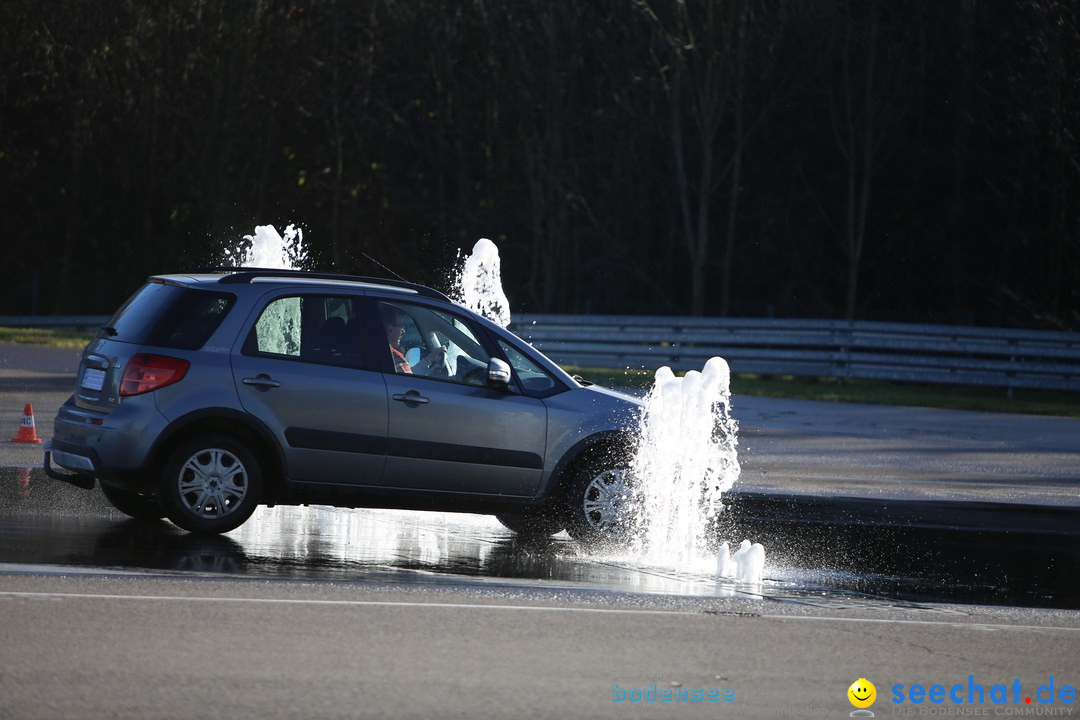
[436, 357]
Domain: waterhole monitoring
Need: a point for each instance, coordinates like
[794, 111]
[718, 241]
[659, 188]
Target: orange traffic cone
[27, 429]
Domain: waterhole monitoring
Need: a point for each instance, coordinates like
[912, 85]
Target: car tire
[132, 504]
[210, 484]
[597, 499]
[531, 523]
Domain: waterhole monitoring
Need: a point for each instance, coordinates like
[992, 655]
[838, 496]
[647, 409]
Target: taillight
[146, 372]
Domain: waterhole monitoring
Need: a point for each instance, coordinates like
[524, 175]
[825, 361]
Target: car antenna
[382, 266]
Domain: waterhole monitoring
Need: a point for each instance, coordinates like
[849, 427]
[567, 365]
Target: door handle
[411, 397]
[262, 382]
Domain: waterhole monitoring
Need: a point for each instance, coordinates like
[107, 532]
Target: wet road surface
[44, 522]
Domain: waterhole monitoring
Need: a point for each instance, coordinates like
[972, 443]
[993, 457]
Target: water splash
[686, 459]
[749, 563]
[478, 285]
[268, 249]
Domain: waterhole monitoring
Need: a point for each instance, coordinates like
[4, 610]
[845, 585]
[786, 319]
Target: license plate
[93, 379]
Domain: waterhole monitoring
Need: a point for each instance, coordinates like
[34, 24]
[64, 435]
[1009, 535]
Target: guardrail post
[1011, 374]
[842, 366]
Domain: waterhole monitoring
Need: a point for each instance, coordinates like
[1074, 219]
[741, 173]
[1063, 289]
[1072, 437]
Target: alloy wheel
[212, 483]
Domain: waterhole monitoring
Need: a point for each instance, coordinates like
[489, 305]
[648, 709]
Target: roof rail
[238, 275]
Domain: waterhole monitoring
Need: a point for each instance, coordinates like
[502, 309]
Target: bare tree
[706, 53]
[862, 110]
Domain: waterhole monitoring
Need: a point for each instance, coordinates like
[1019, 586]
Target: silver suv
[211, 393]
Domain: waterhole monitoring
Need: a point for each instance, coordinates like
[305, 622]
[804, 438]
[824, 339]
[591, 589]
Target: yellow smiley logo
[862, 693]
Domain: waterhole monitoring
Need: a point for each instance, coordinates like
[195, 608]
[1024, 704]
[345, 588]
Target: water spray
[686, 459]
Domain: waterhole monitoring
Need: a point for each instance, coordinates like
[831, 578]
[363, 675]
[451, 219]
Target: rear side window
[169, 316]
[311, 328]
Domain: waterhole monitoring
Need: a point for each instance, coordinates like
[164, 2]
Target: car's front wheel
[599, 500]
[210, 484]
[132, 504]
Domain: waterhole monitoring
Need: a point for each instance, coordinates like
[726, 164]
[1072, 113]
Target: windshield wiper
[109, 330]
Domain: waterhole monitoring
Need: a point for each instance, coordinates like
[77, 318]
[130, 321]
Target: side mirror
[498, 373]
[412, 356]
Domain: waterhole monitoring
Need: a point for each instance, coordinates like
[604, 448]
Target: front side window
[434, 343]
[315, 328]
[531, 376]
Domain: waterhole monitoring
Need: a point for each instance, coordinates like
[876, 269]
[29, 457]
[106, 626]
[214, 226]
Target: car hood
[618, 394]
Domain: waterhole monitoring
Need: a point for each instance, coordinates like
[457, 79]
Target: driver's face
[395, 328]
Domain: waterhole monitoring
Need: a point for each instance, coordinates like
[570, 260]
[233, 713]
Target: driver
[394, 322]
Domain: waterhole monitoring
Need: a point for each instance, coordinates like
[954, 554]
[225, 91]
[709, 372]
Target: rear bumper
[78, 463]
[111, 447]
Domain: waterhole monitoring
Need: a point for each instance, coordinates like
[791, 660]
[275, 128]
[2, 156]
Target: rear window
[169, 316]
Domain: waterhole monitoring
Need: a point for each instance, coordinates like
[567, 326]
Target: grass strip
[46, 336]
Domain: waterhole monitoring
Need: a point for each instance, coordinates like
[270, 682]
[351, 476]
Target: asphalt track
[906, 546]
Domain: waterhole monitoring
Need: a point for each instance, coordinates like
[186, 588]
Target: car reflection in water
[156, 545]
[433, 548]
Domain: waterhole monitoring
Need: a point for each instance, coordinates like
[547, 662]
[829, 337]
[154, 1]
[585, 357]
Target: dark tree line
[913, 160]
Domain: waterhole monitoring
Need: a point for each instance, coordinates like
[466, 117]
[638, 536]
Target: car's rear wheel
[598, 501]
[210, 484]
[532, 523]
[132, 504]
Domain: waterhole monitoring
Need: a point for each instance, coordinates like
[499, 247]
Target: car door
[448, 430]
[300, 370]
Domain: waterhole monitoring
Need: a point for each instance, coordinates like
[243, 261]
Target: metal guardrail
[77, 322]
[902, 352]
